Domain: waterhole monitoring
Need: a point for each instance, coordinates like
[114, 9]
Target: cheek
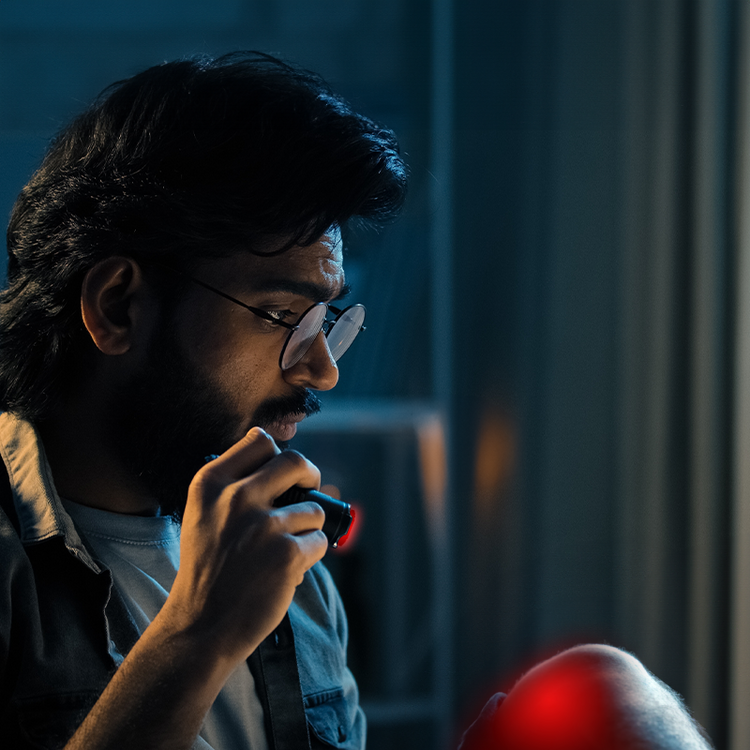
[244, 373]
[240, 377]
[243, 366]
[219, 342]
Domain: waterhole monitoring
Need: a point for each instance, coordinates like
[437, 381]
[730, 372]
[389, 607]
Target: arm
[241, 561]
[587, 697]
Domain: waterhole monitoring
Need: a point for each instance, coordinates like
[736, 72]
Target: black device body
[339, 515]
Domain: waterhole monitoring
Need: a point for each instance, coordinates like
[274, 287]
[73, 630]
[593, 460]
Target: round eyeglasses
[339, 332]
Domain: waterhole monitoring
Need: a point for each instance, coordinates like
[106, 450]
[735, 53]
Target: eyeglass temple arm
[255, 310]
[337, 311]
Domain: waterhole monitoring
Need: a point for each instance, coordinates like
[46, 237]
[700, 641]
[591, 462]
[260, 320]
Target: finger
[301, 518]
[277, 475]
[243, 458]
[313, 546]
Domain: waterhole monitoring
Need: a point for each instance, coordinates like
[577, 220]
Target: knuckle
[274, 524]
[259, 438]
[286, 551]
[205, 482]
[322, 543]
[294, 459]
[234, 501]
[298, 468]
[317, 511]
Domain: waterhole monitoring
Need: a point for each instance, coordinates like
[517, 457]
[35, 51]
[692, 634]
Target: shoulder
[13, 558]
[17, 591]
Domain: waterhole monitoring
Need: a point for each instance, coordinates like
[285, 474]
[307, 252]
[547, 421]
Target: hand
[241, 558]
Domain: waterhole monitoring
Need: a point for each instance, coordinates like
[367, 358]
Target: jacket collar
[41, 514]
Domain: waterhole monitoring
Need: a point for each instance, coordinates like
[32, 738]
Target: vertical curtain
[676, 354]
[603, 225]
[739, 726]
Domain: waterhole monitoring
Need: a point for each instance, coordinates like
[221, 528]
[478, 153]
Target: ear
[112, 303]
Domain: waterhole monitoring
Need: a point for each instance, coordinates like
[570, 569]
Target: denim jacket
[62, 622]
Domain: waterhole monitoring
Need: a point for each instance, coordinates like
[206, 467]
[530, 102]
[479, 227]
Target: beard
[170, 418]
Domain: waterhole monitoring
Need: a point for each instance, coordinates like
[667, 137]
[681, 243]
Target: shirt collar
[41, 514]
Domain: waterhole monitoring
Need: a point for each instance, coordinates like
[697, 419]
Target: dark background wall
[538, 182]
[546, 140]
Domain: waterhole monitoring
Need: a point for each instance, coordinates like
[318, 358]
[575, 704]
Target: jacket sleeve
[17, 600]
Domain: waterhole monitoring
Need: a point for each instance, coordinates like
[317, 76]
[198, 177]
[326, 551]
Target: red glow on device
[346, 536]
[352, 535]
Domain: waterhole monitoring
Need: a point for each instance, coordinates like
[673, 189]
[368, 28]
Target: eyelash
[279, 315]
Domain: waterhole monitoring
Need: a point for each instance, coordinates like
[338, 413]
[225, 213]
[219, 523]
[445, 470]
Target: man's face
[211, 368]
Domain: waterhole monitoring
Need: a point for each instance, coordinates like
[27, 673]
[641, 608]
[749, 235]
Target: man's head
[191, 379]
[187, 160]
[240, 171]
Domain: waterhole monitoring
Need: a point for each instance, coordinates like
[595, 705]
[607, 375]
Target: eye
[278, 317]
[278, 314]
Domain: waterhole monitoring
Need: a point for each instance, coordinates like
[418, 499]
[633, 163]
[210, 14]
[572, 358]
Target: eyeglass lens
[345, 330]
[339, 337]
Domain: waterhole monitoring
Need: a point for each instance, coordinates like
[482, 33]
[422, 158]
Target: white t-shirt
[143, 553]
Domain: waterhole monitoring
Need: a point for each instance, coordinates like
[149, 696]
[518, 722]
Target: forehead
[324, 258]
[315, 271]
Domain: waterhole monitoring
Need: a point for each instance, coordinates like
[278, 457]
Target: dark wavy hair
[187, 159]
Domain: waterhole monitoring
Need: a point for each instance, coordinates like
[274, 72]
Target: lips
[284, 429]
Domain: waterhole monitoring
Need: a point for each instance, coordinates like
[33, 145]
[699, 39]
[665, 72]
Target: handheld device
[339, 515]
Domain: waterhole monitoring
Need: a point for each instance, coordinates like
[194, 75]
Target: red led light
[345, 537]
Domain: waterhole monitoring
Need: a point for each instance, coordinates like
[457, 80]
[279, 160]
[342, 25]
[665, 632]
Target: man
[170, 267]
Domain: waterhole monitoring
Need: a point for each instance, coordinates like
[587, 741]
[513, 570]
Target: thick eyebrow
[308, 289]
[345, 291]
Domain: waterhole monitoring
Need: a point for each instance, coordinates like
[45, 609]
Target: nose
[316, 370]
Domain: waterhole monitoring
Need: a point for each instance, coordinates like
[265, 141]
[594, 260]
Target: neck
[85, 465]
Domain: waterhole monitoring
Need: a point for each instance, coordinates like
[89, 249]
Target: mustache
[300, 401]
